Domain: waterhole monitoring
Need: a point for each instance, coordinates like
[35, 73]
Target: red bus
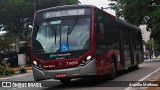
[82, 40]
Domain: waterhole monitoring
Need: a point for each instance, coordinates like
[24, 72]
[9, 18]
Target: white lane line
[142, 79]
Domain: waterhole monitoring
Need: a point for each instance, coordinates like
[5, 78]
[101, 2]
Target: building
[145, 33]
[146, 37]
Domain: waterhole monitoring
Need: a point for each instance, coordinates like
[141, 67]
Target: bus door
[121, 47]
[131, 34]
[100, 48]
[126, 46]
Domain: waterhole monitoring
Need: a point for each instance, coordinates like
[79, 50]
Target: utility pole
[152, 48]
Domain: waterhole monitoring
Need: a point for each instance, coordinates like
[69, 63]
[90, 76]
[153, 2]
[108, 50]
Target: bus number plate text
[72, 63]
[61, 75]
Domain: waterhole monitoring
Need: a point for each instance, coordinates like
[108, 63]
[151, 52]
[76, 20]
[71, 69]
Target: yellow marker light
[89, 57]
[34, 62]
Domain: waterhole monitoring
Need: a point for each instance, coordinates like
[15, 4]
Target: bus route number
[72, 63]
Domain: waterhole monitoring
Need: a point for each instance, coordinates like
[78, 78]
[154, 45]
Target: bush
[12, 72]
[22, 69]
[2, 68]
[6, 72]
[6, 69]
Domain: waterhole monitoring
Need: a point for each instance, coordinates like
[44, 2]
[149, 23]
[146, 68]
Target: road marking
[142, 79]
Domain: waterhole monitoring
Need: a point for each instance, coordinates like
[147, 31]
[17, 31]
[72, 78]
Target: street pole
[152, 49]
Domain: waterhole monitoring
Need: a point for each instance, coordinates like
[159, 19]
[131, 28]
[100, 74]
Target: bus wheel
[37, 79]
[113, 69]
[137, 63]
[65, 80]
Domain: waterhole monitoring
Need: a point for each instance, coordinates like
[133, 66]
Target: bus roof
[120, 20]
[127, 24]
[89, 6]
[65, 6]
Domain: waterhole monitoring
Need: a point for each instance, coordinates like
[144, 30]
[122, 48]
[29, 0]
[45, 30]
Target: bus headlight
[86, 60]
[37, 65]
[89, 57]
[35, 62]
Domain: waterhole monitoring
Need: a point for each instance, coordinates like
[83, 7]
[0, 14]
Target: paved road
[94, 83]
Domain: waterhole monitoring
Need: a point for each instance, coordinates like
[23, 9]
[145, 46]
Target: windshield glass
[64, 35]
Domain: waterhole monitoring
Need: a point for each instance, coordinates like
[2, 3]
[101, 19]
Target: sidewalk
[155, 77]
[27, 68]
[17, 74]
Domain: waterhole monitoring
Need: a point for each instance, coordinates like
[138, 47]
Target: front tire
[37, 79]
[137, 63]
[65, 80]
[113, 69]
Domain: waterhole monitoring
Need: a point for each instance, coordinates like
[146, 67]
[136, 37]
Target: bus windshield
[63, 35]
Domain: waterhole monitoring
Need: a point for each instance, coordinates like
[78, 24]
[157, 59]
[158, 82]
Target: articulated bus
[82, 40]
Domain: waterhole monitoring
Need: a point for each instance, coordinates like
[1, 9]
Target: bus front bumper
[88, 69]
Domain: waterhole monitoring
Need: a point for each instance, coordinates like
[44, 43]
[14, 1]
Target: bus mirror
[26, 26]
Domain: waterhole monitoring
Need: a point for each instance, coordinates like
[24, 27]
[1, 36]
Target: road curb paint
[142, 79]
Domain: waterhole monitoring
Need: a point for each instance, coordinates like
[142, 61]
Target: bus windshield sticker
[51, 56]
[64, 47]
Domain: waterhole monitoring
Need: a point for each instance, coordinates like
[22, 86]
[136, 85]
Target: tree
[13, 12]
[136, 11]
[5, 42]
[155, 34]
[116, 5]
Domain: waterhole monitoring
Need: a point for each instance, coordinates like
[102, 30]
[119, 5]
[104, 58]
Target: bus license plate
[61, 75]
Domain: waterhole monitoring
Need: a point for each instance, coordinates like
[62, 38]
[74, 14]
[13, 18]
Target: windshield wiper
[54, 31]
[73, 24]
[71, 27]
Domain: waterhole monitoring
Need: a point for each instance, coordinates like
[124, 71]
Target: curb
[29, 72]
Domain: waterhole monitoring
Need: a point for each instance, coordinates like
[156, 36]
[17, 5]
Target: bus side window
[97, 32]
[101, 30]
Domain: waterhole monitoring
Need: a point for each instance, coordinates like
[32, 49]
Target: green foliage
[13, 12]
[116, 5]
[2, 68]
[152, 44]
[134, 12]
[12, 72]
[5, 70]
[22, 69]
[5, 41]
[156, 25]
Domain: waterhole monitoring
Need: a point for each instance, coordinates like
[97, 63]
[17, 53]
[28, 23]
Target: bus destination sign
[61, 13]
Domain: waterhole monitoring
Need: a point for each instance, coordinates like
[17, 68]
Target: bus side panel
[106, 41]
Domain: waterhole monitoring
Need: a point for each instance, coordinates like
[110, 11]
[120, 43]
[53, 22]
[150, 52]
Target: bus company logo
[51, 55]
[60, 63]
[6, 84]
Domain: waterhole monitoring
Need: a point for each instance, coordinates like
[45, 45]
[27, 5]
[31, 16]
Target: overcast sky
[98, 3]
